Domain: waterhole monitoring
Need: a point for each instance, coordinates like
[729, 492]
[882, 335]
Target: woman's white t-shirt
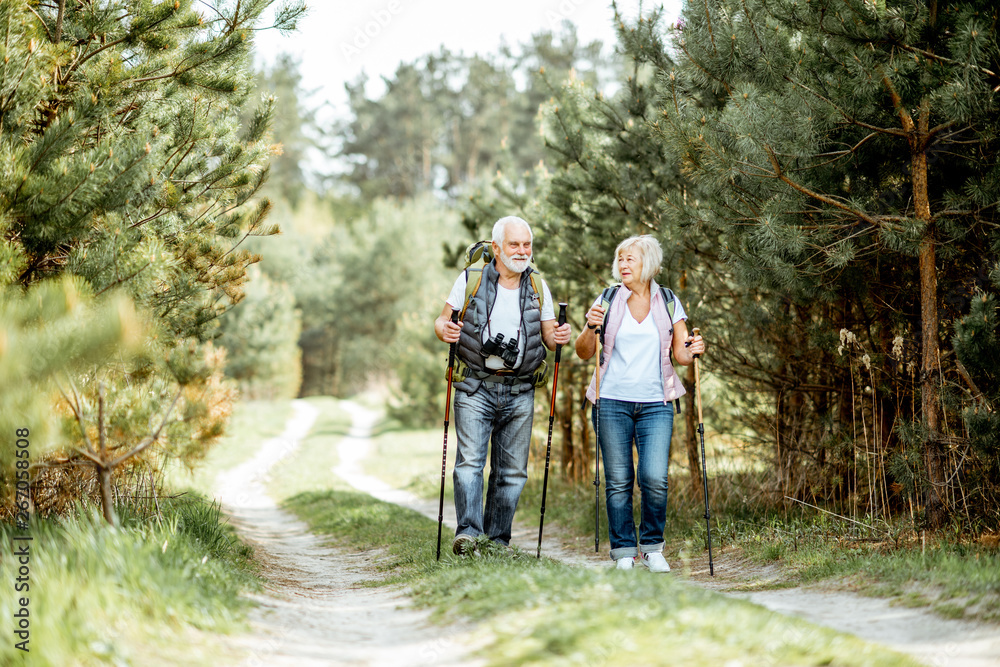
[505, 317]
[634, 372]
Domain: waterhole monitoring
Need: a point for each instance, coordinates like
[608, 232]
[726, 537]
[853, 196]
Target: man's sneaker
[626, 563]
[655, 562]
[463, 545]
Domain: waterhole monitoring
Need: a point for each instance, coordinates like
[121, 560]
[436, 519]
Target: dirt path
[315, 612]
[929, 638]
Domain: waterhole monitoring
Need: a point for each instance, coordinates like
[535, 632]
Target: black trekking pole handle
[704, 466]
[548, 445]
[444, 448]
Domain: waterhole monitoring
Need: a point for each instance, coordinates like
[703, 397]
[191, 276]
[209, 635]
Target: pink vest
[672, 385]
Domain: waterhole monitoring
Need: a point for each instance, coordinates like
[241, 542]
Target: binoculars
[507, 352]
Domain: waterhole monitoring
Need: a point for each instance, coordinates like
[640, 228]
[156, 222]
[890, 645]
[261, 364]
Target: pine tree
[123, 163]
[851, 157]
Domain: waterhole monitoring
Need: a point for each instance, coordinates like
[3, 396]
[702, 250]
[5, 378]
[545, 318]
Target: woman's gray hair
[501, 227]
[649, 251]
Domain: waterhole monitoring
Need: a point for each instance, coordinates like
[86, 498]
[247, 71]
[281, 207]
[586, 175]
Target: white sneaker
[655, 562]
[626, 563]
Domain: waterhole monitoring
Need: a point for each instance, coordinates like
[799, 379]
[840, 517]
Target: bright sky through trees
[338, 41]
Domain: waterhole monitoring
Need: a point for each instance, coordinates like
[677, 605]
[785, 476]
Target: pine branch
[897, 103]
[48, 33]
[977, 394]
[850, 119]
[933, 56]
[779, 174]
[694, 62]
[77, 409]
[123, 280]
[838, 154]
[711, 34]
[149, 440]
[162, 211]
[79, 61]
[753, 28]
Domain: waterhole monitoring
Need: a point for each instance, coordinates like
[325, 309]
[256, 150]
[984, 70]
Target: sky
[341, 39]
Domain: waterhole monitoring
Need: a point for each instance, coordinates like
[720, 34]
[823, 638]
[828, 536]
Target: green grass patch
[130, 595]
[544, 612]
[416, 459]
[958, 578]
[310, 466]
[405, 539]
[810, 547]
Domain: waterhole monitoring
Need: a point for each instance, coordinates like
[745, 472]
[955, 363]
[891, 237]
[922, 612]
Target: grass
[133, 595]
[310, 466]
[955, 578]
[416, 459]
[130, 595]
[544, 612]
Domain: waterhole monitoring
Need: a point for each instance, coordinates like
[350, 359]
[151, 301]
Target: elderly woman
[638, 386]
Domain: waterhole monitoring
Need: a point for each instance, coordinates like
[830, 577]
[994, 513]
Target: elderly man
[500, 362]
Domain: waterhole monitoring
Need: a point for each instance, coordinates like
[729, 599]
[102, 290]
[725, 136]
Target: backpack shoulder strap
[471, 287]
[671, 301]
[535, 287]
[607, 296]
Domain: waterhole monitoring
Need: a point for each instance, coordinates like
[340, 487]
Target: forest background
[822, 176]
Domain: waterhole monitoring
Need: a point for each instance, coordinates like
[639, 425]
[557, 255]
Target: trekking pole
[597, 447]
[704, 469]
[548, 445]
[444, 449]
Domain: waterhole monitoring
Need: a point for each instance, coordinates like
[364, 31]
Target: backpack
[608, 295]
[477, 256]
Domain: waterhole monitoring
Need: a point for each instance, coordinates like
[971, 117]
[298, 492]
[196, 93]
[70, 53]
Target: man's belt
[503, 376]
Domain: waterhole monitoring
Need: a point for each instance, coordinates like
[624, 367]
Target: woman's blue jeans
[491, 411]
[649, 426]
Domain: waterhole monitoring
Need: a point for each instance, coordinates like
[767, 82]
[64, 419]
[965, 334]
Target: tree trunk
[107, 501]
[930, 351]
[57, 34]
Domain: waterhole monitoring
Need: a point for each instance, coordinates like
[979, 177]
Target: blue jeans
[491, 411]
[649, 425]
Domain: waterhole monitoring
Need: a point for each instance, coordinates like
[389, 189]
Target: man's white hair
[500, 228]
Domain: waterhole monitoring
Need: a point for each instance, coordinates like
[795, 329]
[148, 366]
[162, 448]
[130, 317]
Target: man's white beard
[517, 264]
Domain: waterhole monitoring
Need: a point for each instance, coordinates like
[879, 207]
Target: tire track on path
[315, 610]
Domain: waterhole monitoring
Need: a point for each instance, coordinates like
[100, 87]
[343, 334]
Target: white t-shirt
[634, 372]
[505, 317]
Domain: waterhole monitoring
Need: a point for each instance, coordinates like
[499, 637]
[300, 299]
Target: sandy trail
[315, 611]
[928, 638]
